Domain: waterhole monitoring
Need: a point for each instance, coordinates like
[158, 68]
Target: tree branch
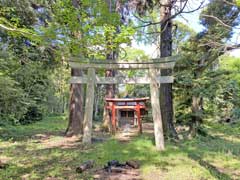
[229, 3]
[15, 30]
[218, 20]
[173, 16]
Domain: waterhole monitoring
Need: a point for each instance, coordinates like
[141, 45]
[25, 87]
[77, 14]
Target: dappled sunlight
[59, 141]
[48, 126]
[45, 156]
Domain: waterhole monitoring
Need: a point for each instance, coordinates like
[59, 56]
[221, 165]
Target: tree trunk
[110, 93]
[166, 92]
[196, 119]
[63, 104]
[197, 105]
[110, 89]
[75, 124]
[197, 110]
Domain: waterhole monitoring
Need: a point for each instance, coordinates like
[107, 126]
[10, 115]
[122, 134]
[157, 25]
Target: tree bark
[110, 93]
[75, 124]
[111, 88]
[166, 92]
[197, 103]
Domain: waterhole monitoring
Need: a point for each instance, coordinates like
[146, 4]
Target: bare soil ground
[125, 135]
[129, 132]
[129, 174]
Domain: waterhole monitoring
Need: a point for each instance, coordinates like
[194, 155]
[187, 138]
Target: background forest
[37, 39]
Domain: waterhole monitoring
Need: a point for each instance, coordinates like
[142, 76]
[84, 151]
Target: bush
[14, 103]
[24, 94]
[33, 114]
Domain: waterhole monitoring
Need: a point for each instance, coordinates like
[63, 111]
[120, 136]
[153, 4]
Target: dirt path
[129, 132]
[129, 174]
[125, 135]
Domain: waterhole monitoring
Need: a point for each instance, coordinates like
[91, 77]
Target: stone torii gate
[154, 78]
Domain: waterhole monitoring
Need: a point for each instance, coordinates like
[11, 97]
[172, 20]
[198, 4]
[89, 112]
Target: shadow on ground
[49, 157]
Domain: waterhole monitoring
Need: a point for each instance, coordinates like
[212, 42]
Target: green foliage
[17, 18]
[231, 94]
[199, 73]
[238, 2]
[13, 101]
[38, 37]
[25, 89]
[232, 65]
[81, 31]
[28, 88]
[218, 86]
[214, 26]
[37, 86]
[181, 34]
[137, 90]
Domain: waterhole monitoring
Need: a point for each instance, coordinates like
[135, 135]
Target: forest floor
[40, 151]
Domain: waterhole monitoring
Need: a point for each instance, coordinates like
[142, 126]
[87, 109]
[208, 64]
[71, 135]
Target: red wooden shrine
[136, 104]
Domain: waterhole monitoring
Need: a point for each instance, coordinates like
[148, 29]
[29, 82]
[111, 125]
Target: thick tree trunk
[75, 124]
[110, 89]
[166, 92]
[110, 93]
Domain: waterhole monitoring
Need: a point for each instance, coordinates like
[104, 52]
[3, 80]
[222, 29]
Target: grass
[216, 156]
[50, 125]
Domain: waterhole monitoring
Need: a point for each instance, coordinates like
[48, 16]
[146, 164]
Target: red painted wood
[139, 118]
[127, 99]
[127, 107]
[137, 108]
[113, 118]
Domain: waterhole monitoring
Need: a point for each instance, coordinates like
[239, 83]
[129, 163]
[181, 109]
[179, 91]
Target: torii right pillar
[156, 111]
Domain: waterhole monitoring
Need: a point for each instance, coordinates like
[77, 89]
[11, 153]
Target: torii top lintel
[160, 63]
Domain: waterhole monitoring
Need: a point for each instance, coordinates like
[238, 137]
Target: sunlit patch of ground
[58, 142]
[129, 174]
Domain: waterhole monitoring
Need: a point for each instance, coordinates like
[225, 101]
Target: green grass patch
[204, 158]
[52, 124]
